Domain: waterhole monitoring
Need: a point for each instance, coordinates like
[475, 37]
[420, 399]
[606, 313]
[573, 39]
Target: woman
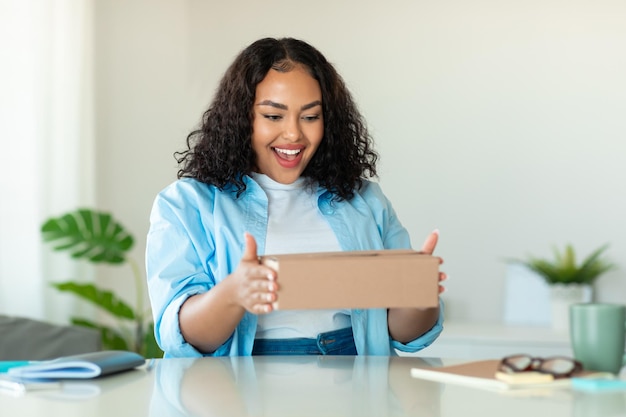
[279, 165]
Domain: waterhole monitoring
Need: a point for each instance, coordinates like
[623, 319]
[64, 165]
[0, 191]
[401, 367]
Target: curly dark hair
[220, 151]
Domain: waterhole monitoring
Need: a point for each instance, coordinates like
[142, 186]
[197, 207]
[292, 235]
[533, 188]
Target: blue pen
[6, 365]
[598, 384]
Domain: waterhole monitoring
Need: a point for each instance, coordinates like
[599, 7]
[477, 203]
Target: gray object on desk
[27, 339]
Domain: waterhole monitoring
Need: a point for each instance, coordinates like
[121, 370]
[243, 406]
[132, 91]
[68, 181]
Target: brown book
[482, 374]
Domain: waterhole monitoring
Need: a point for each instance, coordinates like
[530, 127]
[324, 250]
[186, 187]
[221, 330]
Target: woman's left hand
[429, 247]
[407, 324]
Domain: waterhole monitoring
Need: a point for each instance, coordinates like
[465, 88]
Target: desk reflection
[293, 386]
[599, 404]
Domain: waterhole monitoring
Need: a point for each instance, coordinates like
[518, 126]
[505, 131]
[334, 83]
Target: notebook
[83, 366]
[482, 374]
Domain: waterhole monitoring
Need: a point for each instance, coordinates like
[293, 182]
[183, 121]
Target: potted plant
[98, 238]
[570, 282]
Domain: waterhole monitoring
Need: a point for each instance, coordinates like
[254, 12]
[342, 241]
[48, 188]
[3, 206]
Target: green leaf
[150, 348]
[593, 265]
[565, 269]
[104, 299]
[89, 234]
[111, 339]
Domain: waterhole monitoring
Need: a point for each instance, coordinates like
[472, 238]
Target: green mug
[597, 335]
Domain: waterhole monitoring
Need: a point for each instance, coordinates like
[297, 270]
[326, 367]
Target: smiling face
[288, 125]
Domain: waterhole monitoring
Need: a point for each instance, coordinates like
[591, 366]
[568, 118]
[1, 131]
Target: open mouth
[287, 154]
[288, 158]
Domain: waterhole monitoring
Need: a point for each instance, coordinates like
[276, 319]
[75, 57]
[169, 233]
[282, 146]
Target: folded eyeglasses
[557, 366]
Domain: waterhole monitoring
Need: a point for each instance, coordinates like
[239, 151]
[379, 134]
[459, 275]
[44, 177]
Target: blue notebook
[83, 366]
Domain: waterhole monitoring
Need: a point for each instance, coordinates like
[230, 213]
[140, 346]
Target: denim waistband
[336, 342]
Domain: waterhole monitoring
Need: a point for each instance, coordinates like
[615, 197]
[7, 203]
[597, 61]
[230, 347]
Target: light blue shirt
[196, 240]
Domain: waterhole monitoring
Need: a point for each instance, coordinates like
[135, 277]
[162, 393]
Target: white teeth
[288, 151]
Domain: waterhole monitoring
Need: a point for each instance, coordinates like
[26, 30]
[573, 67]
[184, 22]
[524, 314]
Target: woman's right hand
[208, 319]
[256, 285]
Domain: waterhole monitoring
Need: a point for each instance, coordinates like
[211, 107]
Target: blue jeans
[337, 342]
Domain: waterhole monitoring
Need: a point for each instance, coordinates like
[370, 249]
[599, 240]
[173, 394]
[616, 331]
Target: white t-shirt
[295, 225]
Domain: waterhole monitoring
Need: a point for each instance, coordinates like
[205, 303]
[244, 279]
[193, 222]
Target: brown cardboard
[360, 279]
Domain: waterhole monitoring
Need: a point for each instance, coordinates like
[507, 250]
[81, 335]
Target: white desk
[296, 386]
[489, 341]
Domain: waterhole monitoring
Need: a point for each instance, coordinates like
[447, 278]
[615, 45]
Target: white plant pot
[564, 295]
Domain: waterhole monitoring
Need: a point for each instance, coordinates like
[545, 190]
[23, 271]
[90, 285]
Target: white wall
[46, 147]
[502, 123]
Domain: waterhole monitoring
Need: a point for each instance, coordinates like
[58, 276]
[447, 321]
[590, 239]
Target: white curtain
[46, 145]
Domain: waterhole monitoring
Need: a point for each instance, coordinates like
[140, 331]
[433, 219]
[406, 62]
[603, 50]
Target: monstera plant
[98, 238]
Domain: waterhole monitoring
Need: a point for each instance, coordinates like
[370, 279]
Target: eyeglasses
[557, 366]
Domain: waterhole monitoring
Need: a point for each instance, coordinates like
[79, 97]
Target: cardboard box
[360, 279]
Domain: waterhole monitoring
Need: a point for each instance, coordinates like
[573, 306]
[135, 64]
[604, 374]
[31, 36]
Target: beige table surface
[296, 386]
